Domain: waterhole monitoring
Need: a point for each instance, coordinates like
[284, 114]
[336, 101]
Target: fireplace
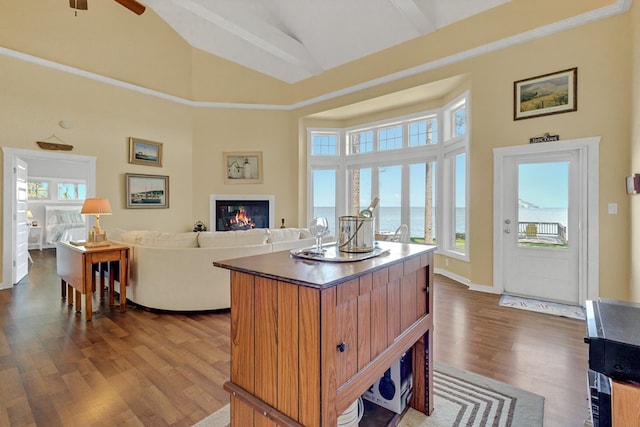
[241, 212]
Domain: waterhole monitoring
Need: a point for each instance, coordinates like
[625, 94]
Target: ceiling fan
[132, 5]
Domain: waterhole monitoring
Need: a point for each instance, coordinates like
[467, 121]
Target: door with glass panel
[540, 217]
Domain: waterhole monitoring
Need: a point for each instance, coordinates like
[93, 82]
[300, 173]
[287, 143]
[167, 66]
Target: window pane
[422, 202]
[361, 185]
[66, 191]
[459, 122]
[361, 142]
[389, 208]
[460, 202]
[38, 190]
[82, 191]
[423, 132]
[324, 196]
[390, 138]
[324, 145]
[543, 204]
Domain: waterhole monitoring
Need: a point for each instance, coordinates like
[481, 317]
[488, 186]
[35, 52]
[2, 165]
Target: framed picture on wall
[142, 152]
[242, 167]
[547, 94]
[147, 191]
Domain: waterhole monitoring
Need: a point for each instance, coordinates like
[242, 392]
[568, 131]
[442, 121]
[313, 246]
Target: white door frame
[9, 204]
[588, 227]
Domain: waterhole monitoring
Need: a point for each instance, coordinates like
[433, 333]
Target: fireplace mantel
[215, 198]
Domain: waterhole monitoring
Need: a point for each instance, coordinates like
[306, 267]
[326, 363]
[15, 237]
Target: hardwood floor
[167, 369]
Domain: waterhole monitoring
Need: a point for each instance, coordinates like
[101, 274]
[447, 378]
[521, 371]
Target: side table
[75, 269]
[36, 236]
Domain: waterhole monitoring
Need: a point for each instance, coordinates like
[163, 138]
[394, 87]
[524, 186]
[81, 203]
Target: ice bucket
[355, 234]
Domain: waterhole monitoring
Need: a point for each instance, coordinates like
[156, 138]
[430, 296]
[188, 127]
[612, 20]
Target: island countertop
[321, 274]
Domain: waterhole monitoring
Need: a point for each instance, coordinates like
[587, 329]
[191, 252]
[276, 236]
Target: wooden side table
[75, 269]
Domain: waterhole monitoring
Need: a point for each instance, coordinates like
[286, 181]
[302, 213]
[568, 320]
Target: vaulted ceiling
[292, 40]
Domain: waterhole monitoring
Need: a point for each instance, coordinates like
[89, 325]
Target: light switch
[613, 208]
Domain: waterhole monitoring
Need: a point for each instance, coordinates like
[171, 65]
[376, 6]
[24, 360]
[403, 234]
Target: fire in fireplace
[242, 221]
[239, 212]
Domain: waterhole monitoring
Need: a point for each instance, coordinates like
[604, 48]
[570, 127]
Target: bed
[64, 223]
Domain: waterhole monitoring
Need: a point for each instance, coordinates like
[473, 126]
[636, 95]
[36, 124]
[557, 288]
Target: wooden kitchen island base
[309, 337]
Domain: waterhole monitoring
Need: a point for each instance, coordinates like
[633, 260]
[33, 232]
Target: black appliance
[613, 335]
[599, 398]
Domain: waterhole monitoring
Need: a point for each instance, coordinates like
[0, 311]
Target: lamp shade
[96, 206]
[29, 214]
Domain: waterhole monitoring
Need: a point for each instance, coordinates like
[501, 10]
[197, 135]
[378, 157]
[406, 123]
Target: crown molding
[618, 7]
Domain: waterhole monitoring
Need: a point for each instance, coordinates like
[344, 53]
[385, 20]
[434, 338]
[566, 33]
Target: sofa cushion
[219, 239]
[161, 239]
[283, 234]
[126, 236]
[216, 239]
[257, 236]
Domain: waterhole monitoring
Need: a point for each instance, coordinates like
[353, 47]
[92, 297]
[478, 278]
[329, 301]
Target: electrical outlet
[613, 208]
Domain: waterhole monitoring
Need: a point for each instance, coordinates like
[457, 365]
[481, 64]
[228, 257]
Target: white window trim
[438, 152]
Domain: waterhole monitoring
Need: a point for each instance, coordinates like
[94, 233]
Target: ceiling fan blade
[78, 4]
[132, 5]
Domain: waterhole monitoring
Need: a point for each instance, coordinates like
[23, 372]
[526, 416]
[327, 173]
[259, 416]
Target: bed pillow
[68, 217]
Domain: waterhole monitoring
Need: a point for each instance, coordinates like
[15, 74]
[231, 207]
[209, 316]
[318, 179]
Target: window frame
[440, 151]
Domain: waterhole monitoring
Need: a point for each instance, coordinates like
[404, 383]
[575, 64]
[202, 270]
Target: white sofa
[174, 271]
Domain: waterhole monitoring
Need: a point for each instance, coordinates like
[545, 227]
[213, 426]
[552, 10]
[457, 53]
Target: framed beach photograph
[242, 167]
[547, 94]
[147, 191]
[142, 152]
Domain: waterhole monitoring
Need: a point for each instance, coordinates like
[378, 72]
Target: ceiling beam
[410, 10]
[259, 34]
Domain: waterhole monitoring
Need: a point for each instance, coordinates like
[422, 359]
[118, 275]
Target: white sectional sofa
[174, 271]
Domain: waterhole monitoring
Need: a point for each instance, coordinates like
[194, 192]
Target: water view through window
[543, 204]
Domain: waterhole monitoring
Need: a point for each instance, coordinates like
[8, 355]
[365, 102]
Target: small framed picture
[547, 94]
[242, 167]
[147, 191]
[142, 152]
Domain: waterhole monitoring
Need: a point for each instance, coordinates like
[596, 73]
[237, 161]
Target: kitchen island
[309, 337]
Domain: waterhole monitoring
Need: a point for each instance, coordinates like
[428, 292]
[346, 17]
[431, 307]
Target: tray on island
[330, 253]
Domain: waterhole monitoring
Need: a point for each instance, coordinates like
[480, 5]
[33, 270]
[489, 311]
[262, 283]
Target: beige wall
[227, 130]
[34, 99]
[599, 50]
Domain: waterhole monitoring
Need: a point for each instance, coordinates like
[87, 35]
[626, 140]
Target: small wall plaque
[547, 137]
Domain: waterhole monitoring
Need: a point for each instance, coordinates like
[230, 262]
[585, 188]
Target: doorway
[545, 219]
[12, 157]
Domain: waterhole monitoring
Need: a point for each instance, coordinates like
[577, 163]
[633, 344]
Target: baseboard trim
[466, 282]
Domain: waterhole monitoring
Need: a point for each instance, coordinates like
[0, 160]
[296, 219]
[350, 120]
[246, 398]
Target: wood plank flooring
[143, 368]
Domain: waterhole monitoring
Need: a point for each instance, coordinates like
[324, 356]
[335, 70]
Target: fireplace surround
[241, 212]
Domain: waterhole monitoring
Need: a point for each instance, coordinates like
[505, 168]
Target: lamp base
[96, 238]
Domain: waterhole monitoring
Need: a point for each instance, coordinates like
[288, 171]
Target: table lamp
[96, 206]
[30, 218]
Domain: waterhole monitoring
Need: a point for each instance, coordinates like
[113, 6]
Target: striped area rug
[466, 399]
[461, 399]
